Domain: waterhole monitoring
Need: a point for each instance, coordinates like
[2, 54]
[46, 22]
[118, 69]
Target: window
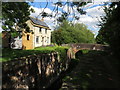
[45, 30]
[43, 41]
[40, 29]
[28, 37]
[37, 39]
[47, 39]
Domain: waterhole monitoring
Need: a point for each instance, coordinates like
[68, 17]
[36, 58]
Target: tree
[0, 10]
[15, 14]
[75, 7]
[13, 17]
[110, 27]
[72, 33]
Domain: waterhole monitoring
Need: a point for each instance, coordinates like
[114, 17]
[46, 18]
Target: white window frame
[37, 39]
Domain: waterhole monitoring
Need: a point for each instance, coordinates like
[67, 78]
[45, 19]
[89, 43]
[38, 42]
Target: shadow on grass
[91, 72]
[58, 84]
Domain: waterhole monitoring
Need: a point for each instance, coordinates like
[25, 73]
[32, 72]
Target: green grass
[10, 54]
[85, 51]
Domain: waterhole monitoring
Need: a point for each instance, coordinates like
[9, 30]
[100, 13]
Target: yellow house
[40, 36]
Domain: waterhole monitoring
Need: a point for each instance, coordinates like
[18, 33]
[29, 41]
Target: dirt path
[93, 71]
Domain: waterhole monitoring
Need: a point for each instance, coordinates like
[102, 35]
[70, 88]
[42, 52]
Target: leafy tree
[0, 10]
[0, 39]
[72, 33]
[14, 17]
[15, 14]
[64, 14]
[110, 27]
[99, 39]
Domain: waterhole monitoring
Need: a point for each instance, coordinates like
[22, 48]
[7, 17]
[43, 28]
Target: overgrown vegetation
[15, 17]
[72, 33]
[0, 38]
[10, 54]
[95, 69]
[110, 28]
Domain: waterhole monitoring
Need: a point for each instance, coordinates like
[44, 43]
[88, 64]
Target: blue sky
[91, 19]
[94, 11]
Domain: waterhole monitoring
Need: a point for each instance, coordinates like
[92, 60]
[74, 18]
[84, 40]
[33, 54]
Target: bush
[72, 33]
[10, 54]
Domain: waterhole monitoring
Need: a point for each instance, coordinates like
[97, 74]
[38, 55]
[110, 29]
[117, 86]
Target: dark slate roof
[38, 22]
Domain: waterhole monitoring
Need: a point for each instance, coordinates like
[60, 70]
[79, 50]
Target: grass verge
[10, 54]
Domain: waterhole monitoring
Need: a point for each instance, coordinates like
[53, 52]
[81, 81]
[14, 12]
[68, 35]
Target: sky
[90, 19]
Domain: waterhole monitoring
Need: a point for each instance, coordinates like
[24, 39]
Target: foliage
[92, 71]
[0, 45]
[99, 39]
[10, 54]
[15, 14]
[62, 51]
[64, 15]
[73, 63]
[110, 27]
[72, 33]
[0, 38]
[0, 10]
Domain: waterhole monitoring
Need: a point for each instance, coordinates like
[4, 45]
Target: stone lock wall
[35, 71]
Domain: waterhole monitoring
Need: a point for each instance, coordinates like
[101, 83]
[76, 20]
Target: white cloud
[37, 11]
[49, 21]
[94, 11]
[92, 17]
[40, 10]
[1, 29]
[67, 8]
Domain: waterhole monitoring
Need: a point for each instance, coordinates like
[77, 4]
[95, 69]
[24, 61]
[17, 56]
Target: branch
[64, 6]
[43, 9]
[56, 12]
[53, 11]
[73, 13]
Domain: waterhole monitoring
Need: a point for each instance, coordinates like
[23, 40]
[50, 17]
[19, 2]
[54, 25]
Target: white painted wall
[43, 36]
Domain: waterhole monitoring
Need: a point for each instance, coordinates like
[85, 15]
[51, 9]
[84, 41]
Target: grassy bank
[10, 54]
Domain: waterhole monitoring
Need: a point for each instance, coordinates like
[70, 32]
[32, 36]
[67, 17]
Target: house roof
[38, 22]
